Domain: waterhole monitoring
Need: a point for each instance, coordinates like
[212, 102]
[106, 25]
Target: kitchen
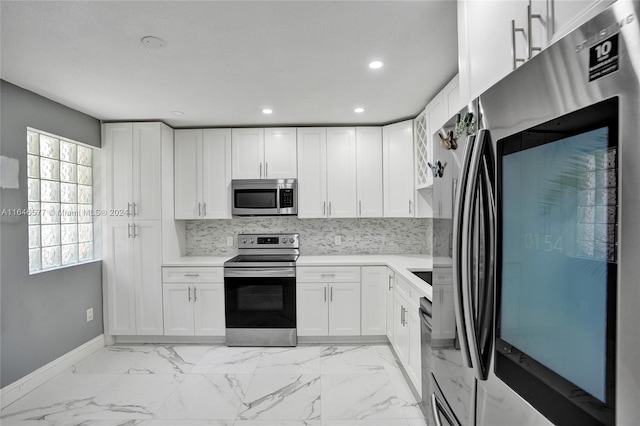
[159, 252]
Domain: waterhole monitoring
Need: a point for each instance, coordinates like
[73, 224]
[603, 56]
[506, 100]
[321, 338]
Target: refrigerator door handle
[461, 214]
[477, 301]
[437, 408]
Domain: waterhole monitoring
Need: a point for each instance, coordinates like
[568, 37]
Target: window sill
[86, 262]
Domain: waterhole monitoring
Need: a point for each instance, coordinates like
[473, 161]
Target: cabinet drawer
[192, 275]
[343, 274]
[403, 287]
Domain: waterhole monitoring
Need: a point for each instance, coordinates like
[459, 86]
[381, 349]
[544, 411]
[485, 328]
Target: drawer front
[341, 274]
[192, 275]
[404, 289]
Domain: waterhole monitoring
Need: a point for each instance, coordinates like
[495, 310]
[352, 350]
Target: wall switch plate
[338, 240]
[89, 314]
[230, 241]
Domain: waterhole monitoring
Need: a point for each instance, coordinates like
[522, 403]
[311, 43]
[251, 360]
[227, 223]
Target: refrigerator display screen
[554, 293]
[557, 254]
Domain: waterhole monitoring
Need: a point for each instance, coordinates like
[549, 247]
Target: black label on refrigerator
[603, 58]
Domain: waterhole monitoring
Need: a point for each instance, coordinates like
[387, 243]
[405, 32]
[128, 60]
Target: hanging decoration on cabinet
[465, 126]
[437, 169]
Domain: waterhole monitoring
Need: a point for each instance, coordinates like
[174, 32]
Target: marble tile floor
[197, 385]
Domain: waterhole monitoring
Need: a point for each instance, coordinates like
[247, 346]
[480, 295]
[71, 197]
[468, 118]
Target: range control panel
[268, 241]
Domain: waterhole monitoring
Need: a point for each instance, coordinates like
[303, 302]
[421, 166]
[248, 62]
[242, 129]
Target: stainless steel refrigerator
[545, 239]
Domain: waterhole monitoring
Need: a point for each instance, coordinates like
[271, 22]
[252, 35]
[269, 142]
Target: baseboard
[169, 340]
[21, 387]
[346, 340]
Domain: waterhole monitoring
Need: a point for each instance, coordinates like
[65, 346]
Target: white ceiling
[226, 61]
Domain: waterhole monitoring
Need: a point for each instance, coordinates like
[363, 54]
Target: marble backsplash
[317, 236]
[442, 237]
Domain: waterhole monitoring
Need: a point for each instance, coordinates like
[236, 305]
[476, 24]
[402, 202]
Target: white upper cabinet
[280, 153]
[264, 153]
[497, 36]
[369, 171]
[312, 172]
[133, 169]
[202, 174]
[398, 178]
[341, 172]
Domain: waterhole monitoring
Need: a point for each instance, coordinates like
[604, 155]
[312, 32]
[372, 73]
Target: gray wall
[42, 316]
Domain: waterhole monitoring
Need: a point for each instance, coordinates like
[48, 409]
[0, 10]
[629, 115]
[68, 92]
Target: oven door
[260, 297]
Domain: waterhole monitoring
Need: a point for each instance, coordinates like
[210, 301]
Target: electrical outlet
[338, 240]
[229, 241]
[89, 314]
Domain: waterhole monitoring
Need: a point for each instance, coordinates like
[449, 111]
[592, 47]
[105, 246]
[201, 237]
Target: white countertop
[401, 264]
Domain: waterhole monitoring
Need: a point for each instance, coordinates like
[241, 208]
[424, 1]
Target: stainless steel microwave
[264, 197]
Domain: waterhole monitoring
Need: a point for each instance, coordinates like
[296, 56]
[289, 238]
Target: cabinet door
[147, 171]
[147, 244]
[344, 309]
[118, 271]
[178, 309]
[247, 153]
[312, 172]
[398, 170]
[312, 310]
[443, 187]
[369, 171]
[341, 172]
[415, 350]
[401, 330]
[568, 15]
[216, 174]
[374, 300]
[390, 306]
[118, 149]
[280, 153]
[208, 304]
[188, 174]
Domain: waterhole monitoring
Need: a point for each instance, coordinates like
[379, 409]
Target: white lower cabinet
[132, 261]
[390, 305]
[374, 288]
[406, 333]
[193, 306]
[328, 301]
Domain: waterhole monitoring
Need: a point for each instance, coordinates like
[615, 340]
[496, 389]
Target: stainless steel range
[260, 291]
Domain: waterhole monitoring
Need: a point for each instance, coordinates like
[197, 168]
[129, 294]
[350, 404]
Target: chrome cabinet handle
[135, 231]
[128, 230]
[266, 170]
[325, 293]
[360, 208]
[199, 209]
[331, 294]
[261, 170]
[189, 294]
[390, 286]
[329, 208]
[191, 275]
[128, 209]
[324, 208]
[531, 17]
[195, 294]
[135, 209]
[409, 206]
[204, 209]
[514, 53]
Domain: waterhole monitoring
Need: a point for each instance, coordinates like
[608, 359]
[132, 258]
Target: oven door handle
[259, 272]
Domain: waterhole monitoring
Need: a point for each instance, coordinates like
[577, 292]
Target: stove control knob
[244, 241]
[292, 240]
[283, 240]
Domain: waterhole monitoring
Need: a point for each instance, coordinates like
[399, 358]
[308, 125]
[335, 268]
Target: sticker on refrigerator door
[603, 58]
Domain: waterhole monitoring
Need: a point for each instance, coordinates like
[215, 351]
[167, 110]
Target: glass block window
[60, 201]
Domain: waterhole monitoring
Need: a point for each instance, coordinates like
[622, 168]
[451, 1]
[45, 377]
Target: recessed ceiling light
[358, 110]
[177, 112]
[267, 111]
[151, 42]
[375, 65]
